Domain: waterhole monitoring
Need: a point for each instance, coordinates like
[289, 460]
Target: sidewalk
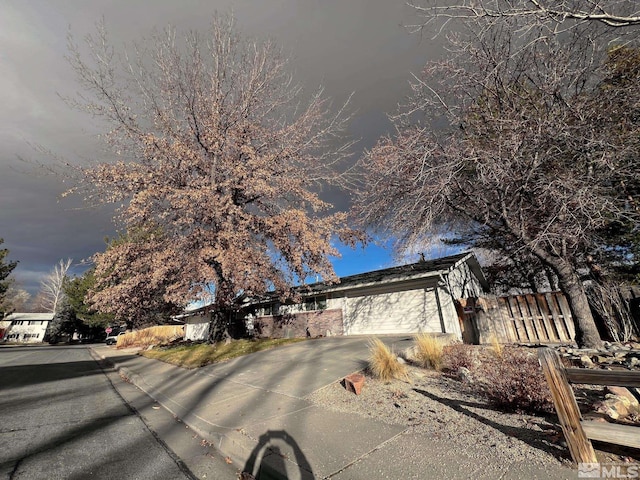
[253, 410]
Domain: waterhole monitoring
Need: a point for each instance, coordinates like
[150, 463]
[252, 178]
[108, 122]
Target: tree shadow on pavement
[531, 437]
[271, 459]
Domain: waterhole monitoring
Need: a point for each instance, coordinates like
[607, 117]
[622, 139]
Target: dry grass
[199, 355]
[151, 336]
[429, 351]
[496, 347]
[383, 363]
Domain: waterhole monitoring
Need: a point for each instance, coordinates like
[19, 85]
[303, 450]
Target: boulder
[626, 397]
[464, 374]
[586, 361]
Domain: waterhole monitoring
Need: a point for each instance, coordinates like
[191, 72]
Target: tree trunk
[587, 334]
[219, 326]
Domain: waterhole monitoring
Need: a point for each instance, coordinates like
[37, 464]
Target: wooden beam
[618, 378]
[566, 407]
[627, 435]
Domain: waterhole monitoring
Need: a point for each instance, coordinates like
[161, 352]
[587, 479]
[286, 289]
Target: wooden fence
[541, 318]
[579, 433]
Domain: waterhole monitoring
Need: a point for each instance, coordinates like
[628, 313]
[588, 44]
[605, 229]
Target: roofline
[320, 288]
[417, 276]
[26, 315]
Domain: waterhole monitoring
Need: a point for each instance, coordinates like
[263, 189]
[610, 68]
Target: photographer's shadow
[277, 456]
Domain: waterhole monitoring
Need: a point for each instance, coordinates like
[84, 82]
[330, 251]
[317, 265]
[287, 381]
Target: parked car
[112, 339]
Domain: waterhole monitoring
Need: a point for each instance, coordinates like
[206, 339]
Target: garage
[404, 311]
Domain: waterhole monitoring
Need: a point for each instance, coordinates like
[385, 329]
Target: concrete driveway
[300, 369]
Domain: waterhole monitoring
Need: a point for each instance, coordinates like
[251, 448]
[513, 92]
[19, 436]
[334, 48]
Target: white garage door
[397, 312]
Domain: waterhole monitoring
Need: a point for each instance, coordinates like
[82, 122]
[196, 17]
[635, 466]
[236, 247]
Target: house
[196, 324]
[26, 327]
[419, 297]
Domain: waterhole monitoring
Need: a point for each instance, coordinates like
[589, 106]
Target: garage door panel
[396, 312]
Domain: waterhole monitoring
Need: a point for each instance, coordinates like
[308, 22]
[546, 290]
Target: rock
[632, 362]
[595, 417]
[586, 362]
[629, 400]
[409, 353]
[464, 374]
[354, 382]
[612, 408]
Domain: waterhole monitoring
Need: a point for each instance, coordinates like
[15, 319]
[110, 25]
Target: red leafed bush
[514, 382]
[458, 355]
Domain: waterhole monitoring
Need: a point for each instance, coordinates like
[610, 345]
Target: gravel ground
[445, 408]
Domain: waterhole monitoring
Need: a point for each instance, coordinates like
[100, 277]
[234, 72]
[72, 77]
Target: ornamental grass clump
[496, 347]
[383, 363]
[429, 351]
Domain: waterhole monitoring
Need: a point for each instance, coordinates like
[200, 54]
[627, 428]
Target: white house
[419, 297]
[26, 327]
[196, 324]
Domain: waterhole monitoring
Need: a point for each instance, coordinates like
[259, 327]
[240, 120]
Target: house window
[316, 303]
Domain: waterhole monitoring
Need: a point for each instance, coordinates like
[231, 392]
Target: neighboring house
[27, 327]
[419, 297]
[196, 324]
[5, 325]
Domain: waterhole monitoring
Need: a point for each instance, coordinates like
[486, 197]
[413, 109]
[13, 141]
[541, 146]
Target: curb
[233, 444]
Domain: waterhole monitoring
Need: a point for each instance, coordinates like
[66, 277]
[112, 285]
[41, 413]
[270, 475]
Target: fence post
[566, 407]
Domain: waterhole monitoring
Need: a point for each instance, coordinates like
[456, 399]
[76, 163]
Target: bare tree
[606, 298]
[52, 287]
[539, 158]
[612, 13]
[17, 298]
[220, 160]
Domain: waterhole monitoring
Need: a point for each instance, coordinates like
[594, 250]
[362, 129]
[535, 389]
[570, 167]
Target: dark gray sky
[345, 45]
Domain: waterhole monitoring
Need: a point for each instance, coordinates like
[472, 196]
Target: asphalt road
[62, 418]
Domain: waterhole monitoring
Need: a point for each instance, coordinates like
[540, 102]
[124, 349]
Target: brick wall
[303, 324]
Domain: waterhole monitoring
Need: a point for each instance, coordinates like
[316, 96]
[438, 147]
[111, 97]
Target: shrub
[383, 363]
[151, 336]
[515, 382]
[429, 351]
[456, 356]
